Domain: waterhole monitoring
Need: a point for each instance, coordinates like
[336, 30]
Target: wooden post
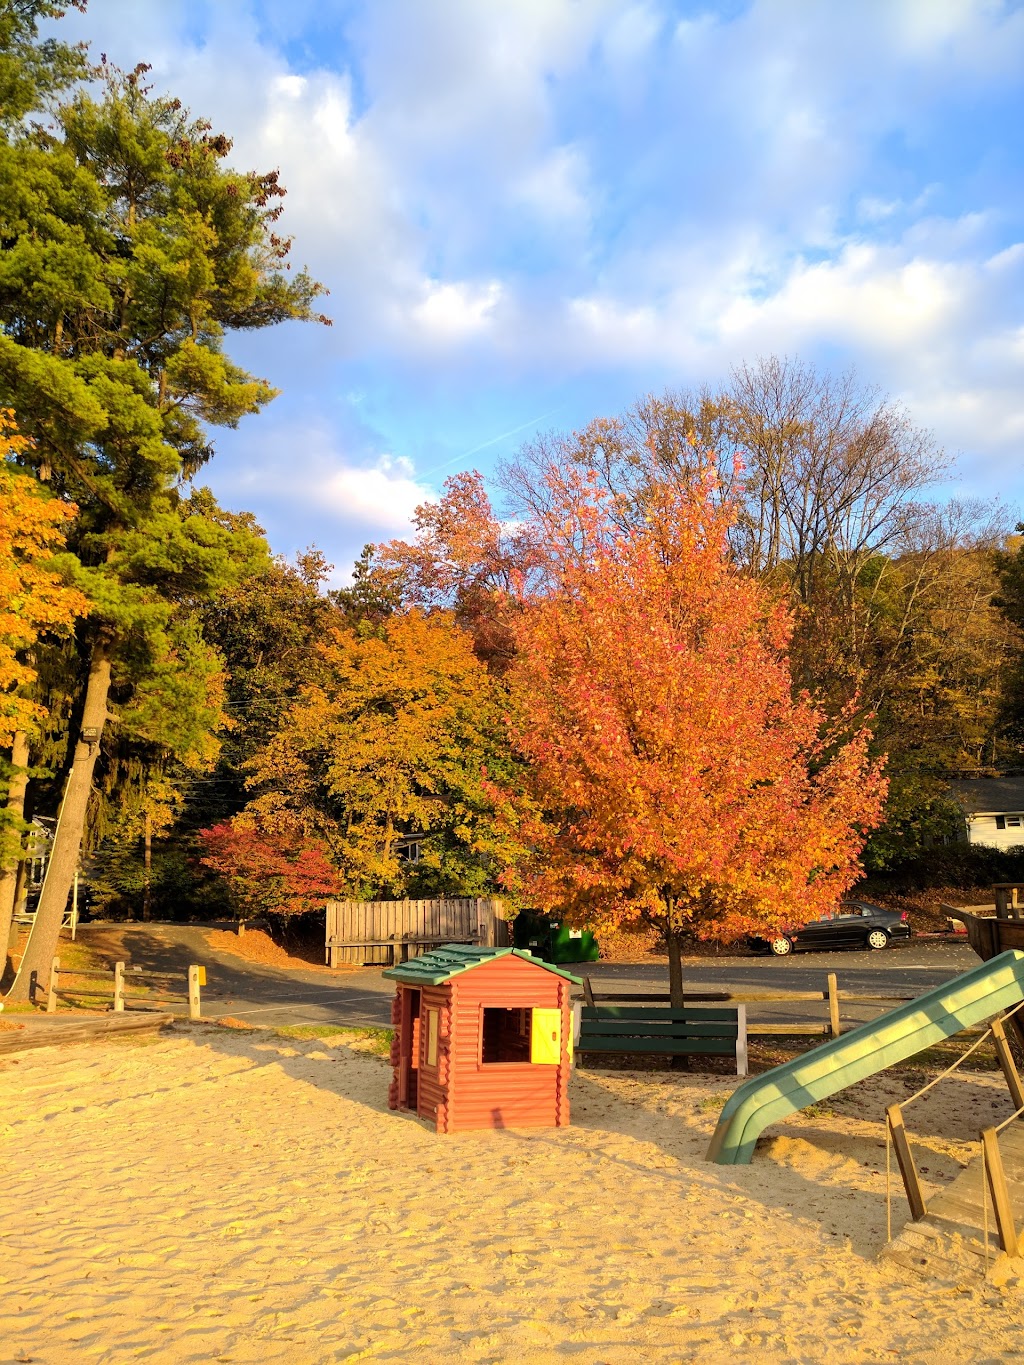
[193, 992]
[588, 992]
[833, 1005]
[908, 1170]
[1007, 1063]
[999, 1191]
[741, 1040]
[51, 997]
[74, 907]
[118, 987]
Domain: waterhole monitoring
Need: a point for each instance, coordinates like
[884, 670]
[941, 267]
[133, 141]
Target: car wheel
[878, 938]
[781, 946]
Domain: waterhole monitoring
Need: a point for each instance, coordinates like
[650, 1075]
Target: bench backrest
[638, 1017]
[694, 1030]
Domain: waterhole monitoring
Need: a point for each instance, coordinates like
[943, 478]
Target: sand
[214, 1195]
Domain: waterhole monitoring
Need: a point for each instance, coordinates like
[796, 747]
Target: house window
[506, 1036]
[1008, 822]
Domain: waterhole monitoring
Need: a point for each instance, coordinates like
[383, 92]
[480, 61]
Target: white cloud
[456, 312]
[556, 190]
[497, 193]
[308, 488]
[867, 294]
[381, 498]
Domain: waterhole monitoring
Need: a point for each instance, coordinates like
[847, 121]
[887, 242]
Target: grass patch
[134, 1039]
[378, 1040]
[711, 1103]
[313, 1030]
[78, 956]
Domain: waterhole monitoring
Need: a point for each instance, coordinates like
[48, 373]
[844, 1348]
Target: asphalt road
[260, 994]
[900, 970]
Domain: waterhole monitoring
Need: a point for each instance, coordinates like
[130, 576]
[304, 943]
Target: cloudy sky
[530, 212]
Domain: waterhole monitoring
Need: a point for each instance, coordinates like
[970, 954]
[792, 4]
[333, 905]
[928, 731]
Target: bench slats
[688, 1032]
[648, 1012]
[718, 1015]
[660, 1029]
[711, 1047]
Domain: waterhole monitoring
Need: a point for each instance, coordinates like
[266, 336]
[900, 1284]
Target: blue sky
[531, 212]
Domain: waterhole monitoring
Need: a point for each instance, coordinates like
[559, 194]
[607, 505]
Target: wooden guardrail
[832, 996]
[120, 976]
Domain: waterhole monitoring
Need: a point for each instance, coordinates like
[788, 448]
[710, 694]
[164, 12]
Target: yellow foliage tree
[402, 736]
[35, 600]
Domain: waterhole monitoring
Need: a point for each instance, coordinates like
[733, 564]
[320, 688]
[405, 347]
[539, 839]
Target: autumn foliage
[463, 558]
[673, 776]
[398, 736]
[34, 598]
[269, 873]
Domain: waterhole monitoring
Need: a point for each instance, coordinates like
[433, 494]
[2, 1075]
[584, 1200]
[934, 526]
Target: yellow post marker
[194, 1003]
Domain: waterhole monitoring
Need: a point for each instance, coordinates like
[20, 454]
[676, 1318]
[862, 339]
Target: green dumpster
[532, 931]
[572, 945]
[553, 942]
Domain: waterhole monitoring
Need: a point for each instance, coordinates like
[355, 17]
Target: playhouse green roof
[432, 969]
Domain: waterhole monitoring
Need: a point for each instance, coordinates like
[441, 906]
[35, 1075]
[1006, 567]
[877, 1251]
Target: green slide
[978, 995]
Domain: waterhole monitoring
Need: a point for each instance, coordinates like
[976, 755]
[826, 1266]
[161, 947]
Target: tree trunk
[675, 968]
[677, 1000]
[9, 872]
[67, 841]
[147, 856]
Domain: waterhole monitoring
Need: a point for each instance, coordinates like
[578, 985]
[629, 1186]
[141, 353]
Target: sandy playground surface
[214, 1195]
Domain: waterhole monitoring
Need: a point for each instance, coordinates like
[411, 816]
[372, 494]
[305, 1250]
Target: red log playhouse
[483, 1039]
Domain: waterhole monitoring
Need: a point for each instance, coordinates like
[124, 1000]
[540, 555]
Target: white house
[993, 810]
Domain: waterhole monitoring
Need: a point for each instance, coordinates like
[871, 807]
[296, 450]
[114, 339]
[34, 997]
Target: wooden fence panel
[464, 917]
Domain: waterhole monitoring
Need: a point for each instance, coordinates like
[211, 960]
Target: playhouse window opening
[432, 1030]
[506, 1035]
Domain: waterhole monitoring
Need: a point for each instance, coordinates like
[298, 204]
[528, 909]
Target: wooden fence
[119, 976]
[368, 926]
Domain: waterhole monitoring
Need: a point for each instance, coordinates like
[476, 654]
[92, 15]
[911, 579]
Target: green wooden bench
[695, 1031]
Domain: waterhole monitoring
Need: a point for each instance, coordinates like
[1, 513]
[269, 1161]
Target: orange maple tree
[673, 776]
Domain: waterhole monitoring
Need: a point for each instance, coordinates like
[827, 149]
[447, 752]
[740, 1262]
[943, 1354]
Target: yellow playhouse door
[546, 1037]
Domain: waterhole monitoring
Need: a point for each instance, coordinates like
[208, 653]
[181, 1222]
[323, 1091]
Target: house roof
[432, 969]
[991, 795]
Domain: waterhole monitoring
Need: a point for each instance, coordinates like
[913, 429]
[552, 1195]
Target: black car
[854, 924]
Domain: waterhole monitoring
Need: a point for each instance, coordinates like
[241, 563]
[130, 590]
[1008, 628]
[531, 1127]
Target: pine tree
[129, 250]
